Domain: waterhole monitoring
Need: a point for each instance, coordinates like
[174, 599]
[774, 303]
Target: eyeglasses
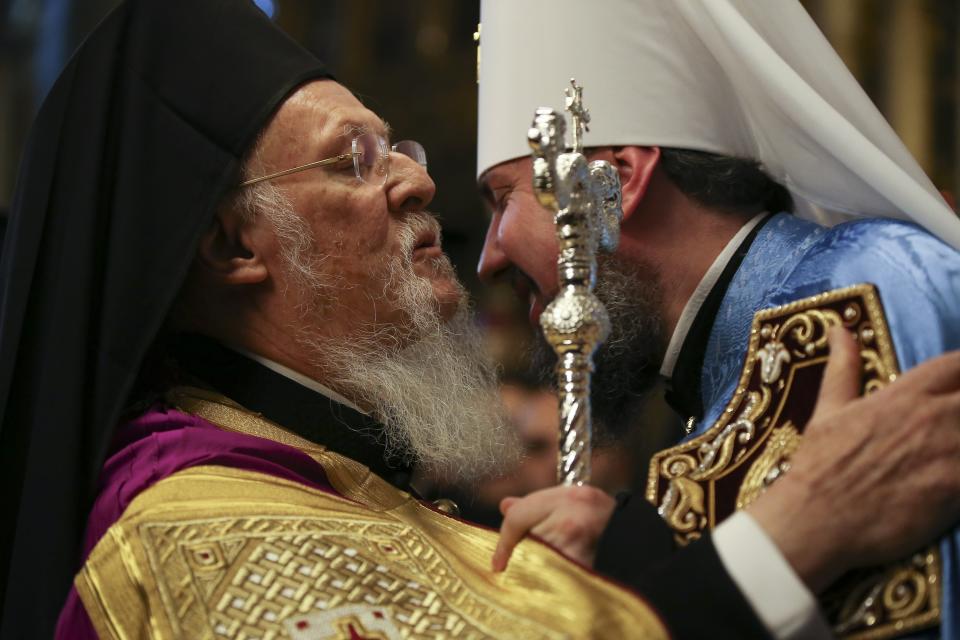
[371, 159]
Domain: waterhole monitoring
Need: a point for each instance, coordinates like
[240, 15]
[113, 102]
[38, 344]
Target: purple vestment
[157, 444]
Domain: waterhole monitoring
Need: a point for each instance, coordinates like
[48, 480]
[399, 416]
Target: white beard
[437, 400]
[437, 397]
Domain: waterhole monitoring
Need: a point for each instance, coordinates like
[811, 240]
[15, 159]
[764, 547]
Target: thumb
[841, 379]
[506, 503]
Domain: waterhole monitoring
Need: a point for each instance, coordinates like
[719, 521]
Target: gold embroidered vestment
[215, 552]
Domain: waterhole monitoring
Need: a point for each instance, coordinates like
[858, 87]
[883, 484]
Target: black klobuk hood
[140, 137]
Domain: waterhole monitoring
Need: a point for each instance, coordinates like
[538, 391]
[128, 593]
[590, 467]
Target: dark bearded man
[737, 132]
[228, 329]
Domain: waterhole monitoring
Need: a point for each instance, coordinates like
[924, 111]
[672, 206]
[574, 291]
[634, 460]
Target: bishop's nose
[493, 260]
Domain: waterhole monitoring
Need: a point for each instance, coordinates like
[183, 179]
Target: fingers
[939, 417]
[520, 516]
[937, 376]
[841, 379]
[570, 518]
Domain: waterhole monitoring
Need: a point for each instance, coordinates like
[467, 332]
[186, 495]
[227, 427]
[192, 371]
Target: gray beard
[627, 364]
[437, 397]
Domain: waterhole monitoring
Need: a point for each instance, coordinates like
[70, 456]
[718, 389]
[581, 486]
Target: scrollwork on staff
[585, 199]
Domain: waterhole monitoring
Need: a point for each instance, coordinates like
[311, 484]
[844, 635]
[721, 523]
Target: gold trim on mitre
[698, 483]
[213, 551]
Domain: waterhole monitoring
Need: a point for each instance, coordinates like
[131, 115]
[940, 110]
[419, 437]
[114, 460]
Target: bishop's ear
[636, 166]
[228, 252]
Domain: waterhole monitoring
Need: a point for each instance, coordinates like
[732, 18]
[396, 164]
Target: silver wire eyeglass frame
[362, 165]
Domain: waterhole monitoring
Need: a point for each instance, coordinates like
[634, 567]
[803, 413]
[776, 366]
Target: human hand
[875, 477]
[571, 518]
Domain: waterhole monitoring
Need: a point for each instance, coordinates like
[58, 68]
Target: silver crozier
[585, 199]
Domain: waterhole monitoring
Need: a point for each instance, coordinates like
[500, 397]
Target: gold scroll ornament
[699, 483]
[585, 200]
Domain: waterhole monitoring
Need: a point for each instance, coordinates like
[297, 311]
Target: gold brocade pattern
[697, 484]
[212, 552]
[772, 463]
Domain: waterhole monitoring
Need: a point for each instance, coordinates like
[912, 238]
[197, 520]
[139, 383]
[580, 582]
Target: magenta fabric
[157, 444]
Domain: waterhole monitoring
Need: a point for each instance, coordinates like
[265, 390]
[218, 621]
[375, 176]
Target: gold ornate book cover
[699, 483]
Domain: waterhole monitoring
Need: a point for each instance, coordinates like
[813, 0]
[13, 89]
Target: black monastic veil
[138, 140]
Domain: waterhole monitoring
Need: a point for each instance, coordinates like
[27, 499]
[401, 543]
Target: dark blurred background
[414, 63]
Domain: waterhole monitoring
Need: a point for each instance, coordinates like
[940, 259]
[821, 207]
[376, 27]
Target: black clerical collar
[303, 411]
[683, 386]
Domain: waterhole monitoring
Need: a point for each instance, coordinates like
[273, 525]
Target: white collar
[700, 294]
[297, 377]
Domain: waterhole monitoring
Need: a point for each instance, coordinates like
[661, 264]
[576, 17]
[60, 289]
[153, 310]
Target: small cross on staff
[584, 198]
[573, 104]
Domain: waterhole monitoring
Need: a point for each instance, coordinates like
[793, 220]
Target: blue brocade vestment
[918, 278]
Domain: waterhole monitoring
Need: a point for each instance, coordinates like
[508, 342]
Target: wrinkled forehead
[319, 115]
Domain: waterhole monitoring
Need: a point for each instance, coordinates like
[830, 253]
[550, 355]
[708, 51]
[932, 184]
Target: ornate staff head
[585, 199]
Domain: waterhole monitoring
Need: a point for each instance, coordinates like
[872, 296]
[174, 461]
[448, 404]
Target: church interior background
[414, 62]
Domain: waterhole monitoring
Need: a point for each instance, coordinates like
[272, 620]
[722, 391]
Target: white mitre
[748, 78]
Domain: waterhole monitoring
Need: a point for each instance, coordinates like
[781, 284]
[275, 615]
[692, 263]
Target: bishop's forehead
[322, 116]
